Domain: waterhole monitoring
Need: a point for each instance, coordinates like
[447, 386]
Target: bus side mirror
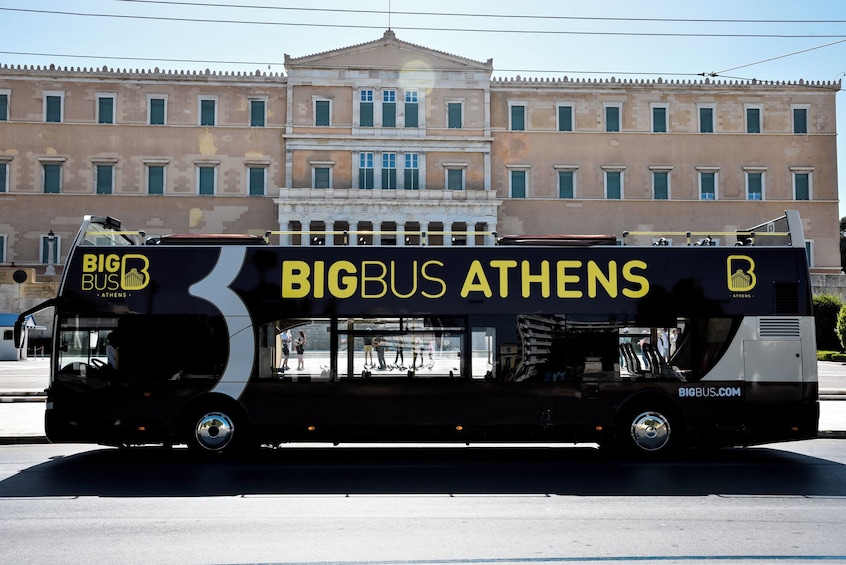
[19, 333]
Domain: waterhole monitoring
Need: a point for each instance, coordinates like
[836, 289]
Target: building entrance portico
[386, 217]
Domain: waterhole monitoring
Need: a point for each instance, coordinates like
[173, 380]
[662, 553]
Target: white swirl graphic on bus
[710, 392]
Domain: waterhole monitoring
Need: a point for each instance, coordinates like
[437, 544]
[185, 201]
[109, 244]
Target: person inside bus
[285, 337]
[112, 349]
[380, 344]
[299, 345]
[399, 356]
[368, 350]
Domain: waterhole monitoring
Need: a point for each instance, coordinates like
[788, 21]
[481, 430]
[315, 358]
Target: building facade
[393, 143]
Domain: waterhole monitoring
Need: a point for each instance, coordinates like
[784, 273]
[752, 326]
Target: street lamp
[50, 271]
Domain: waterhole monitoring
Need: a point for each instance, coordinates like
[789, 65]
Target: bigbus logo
[740, 272]
[112, 273]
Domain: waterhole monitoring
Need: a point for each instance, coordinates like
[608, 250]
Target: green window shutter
[454, 115]
[706, 120]
[612, 118]
[321, 177]
[455, 179]
[389, 179]
[565, 184]
[155, 179]
[206, 180]
[256, 181]
[613, 185]
[659, 120]
[753, 120]
[803, 186]
[411, 180]
[52, 179]
[104, 179]
[4, 107]
[54, 109]
[518, 184]
[755, 182]
[661, 183]
[4, 172]
[708, 186]
[106, 110]
[321, 113]
[366, 115]
[389, 114]
[411, 115]
[206, 112]
[518, 118]
[565, 118]
[800, 120]
[365, 178]
[257, 112]
[157, 111]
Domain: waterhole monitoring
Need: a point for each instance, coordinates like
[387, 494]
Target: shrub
[827, 311]
[840, 328]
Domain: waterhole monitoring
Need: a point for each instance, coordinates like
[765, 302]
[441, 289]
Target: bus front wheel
[210, 432]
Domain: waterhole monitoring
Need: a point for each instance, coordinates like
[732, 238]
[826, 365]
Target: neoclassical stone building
[392, 143]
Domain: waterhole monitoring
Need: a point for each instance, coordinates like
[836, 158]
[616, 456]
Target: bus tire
[648, 430]
[215, 431]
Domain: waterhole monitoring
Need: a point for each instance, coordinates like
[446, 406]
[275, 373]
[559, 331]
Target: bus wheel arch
[214, 424]
[649, 425]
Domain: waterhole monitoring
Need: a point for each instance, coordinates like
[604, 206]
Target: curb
[23, 440]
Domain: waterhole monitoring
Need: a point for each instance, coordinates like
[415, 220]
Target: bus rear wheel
[648, 432]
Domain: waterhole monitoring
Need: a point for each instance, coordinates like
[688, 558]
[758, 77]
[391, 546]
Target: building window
[365, 109]
[707, 185]
[753, 119]
[800, 120]
[389, 108]
[106, 108]
[208, 111]
[411, 112]
[257, 180]
[322, 113]
[157, 110]
[660, 185]
[809, 251]
[802, 186]
[566, 184]
[612, 118]
[4, 178]
[52, 178]
[104, 183]
[754, 185]
[389, 171]
[2, 248]
[517, 117]
[155, 179]
[454, 115]
[613, 185]
[518, 184]
[206, 177]
[365, 171]
[565, 117]
[455, 179]
[321, 177]
[257, 113]
[659, 119]
[53, 102]
[706, 119]
[4, 106]
[45, 248]
[411, 172]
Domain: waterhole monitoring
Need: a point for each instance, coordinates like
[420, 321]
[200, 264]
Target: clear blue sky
[598, 39]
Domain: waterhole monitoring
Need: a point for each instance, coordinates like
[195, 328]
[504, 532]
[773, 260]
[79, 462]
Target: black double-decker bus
[196, 340]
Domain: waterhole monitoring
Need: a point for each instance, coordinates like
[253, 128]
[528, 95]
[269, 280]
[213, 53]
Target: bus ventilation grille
[786, 296]
[778, 327]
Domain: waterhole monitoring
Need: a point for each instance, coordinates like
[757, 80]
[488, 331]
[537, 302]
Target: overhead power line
[427, 28]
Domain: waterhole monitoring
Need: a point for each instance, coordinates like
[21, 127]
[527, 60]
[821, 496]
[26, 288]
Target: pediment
[387, 53]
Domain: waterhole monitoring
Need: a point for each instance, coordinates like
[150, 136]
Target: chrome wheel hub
[214, 431]
[650, 431]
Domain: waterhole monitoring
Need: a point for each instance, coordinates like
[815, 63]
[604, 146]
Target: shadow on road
[149, 472]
